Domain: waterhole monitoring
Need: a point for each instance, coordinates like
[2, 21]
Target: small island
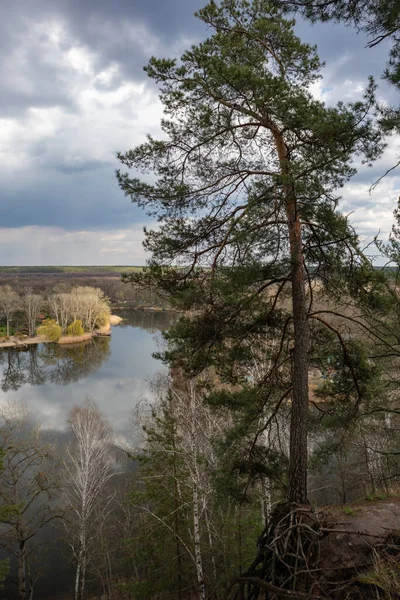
[64, 316]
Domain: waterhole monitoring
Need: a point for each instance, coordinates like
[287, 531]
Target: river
[115, 371]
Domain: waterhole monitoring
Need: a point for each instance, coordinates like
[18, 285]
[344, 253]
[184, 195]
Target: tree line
[119, 294]
[72, 311]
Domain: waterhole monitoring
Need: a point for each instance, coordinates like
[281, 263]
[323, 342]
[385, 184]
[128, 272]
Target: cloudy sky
[73, 93]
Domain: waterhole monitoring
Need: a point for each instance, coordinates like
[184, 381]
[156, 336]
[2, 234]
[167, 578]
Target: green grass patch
[349, 511]
[372, 497]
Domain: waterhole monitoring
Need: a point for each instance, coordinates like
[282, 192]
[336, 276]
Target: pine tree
[243, 184]
[380, 20]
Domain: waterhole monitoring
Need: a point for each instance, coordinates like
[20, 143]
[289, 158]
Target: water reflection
[114, 371]
[151, 321]
[51, 362]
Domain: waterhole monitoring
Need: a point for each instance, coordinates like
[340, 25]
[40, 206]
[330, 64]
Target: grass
[3, 331]
[350, 512]
[371, 497]
[385, 578]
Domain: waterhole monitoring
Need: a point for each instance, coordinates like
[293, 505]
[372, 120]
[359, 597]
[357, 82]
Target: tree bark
[77, 578]
[22, 571]
[298, 463]
[197, 544]
[298, 459]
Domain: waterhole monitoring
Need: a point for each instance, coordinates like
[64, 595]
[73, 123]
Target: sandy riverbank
[115, 320]
[14, 342]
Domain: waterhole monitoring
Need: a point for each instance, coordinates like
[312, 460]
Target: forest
[267, 466]
[40, 280]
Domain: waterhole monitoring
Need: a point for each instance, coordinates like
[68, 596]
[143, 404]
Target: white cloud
[56, 246]
[103, 113]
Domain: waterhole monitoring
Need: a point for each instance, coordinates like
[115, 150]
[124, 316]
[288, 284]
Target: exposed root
[289, 562]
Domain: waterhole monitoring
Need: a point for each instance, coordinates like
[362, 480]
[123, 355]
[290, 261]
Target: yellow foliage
[50, 329]
[103, 319]
[75, 328]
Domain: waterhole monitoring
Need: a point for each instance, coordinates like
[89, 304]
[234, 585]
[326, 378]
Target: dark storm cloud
[115, 31]
[342, 46]
[74, 92]
[71, 201]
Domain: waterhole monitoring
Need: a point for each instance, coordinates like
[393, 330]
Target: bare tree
[32, 304]
[89, 466]
[9, 303]
[196, 428]
[29, 481]
[92, 302]
[81, 302]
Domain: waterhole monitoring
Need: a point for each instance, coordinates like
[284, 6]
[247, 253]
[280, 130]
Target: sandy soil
[15, 343]
[74, 339]
[115, 320]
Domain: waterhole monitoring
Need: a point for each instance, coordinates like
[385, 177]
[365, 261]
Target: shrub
[50, 329]
[75, 328]
[103, 319]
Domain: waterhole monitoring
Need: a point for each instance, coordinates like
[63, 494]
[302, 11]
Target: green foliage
[161, 539]
[75, 328]
[224, 103]
[3, 331]
[355, 377]
[349, 511]
[50, 330]
[379, 19]
[372, 497]
[246, 151]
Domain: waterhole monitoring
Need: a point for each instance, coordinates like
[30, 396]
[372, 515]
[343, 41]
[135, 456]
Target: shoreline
[157, 309]
[64, 340]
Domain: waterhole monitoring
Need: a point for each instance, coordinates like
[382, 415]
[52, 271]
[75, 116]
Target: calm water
[115, 371]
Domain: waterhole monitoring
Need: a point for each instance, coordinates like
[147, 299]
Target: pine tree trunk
[298, 459]
[298, 462]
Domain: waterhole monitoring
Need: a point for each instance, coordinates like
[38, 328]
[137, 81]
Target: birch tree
[81, 302]
[9, 304]
[184, 517]
[32, 304]
[88, 468]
